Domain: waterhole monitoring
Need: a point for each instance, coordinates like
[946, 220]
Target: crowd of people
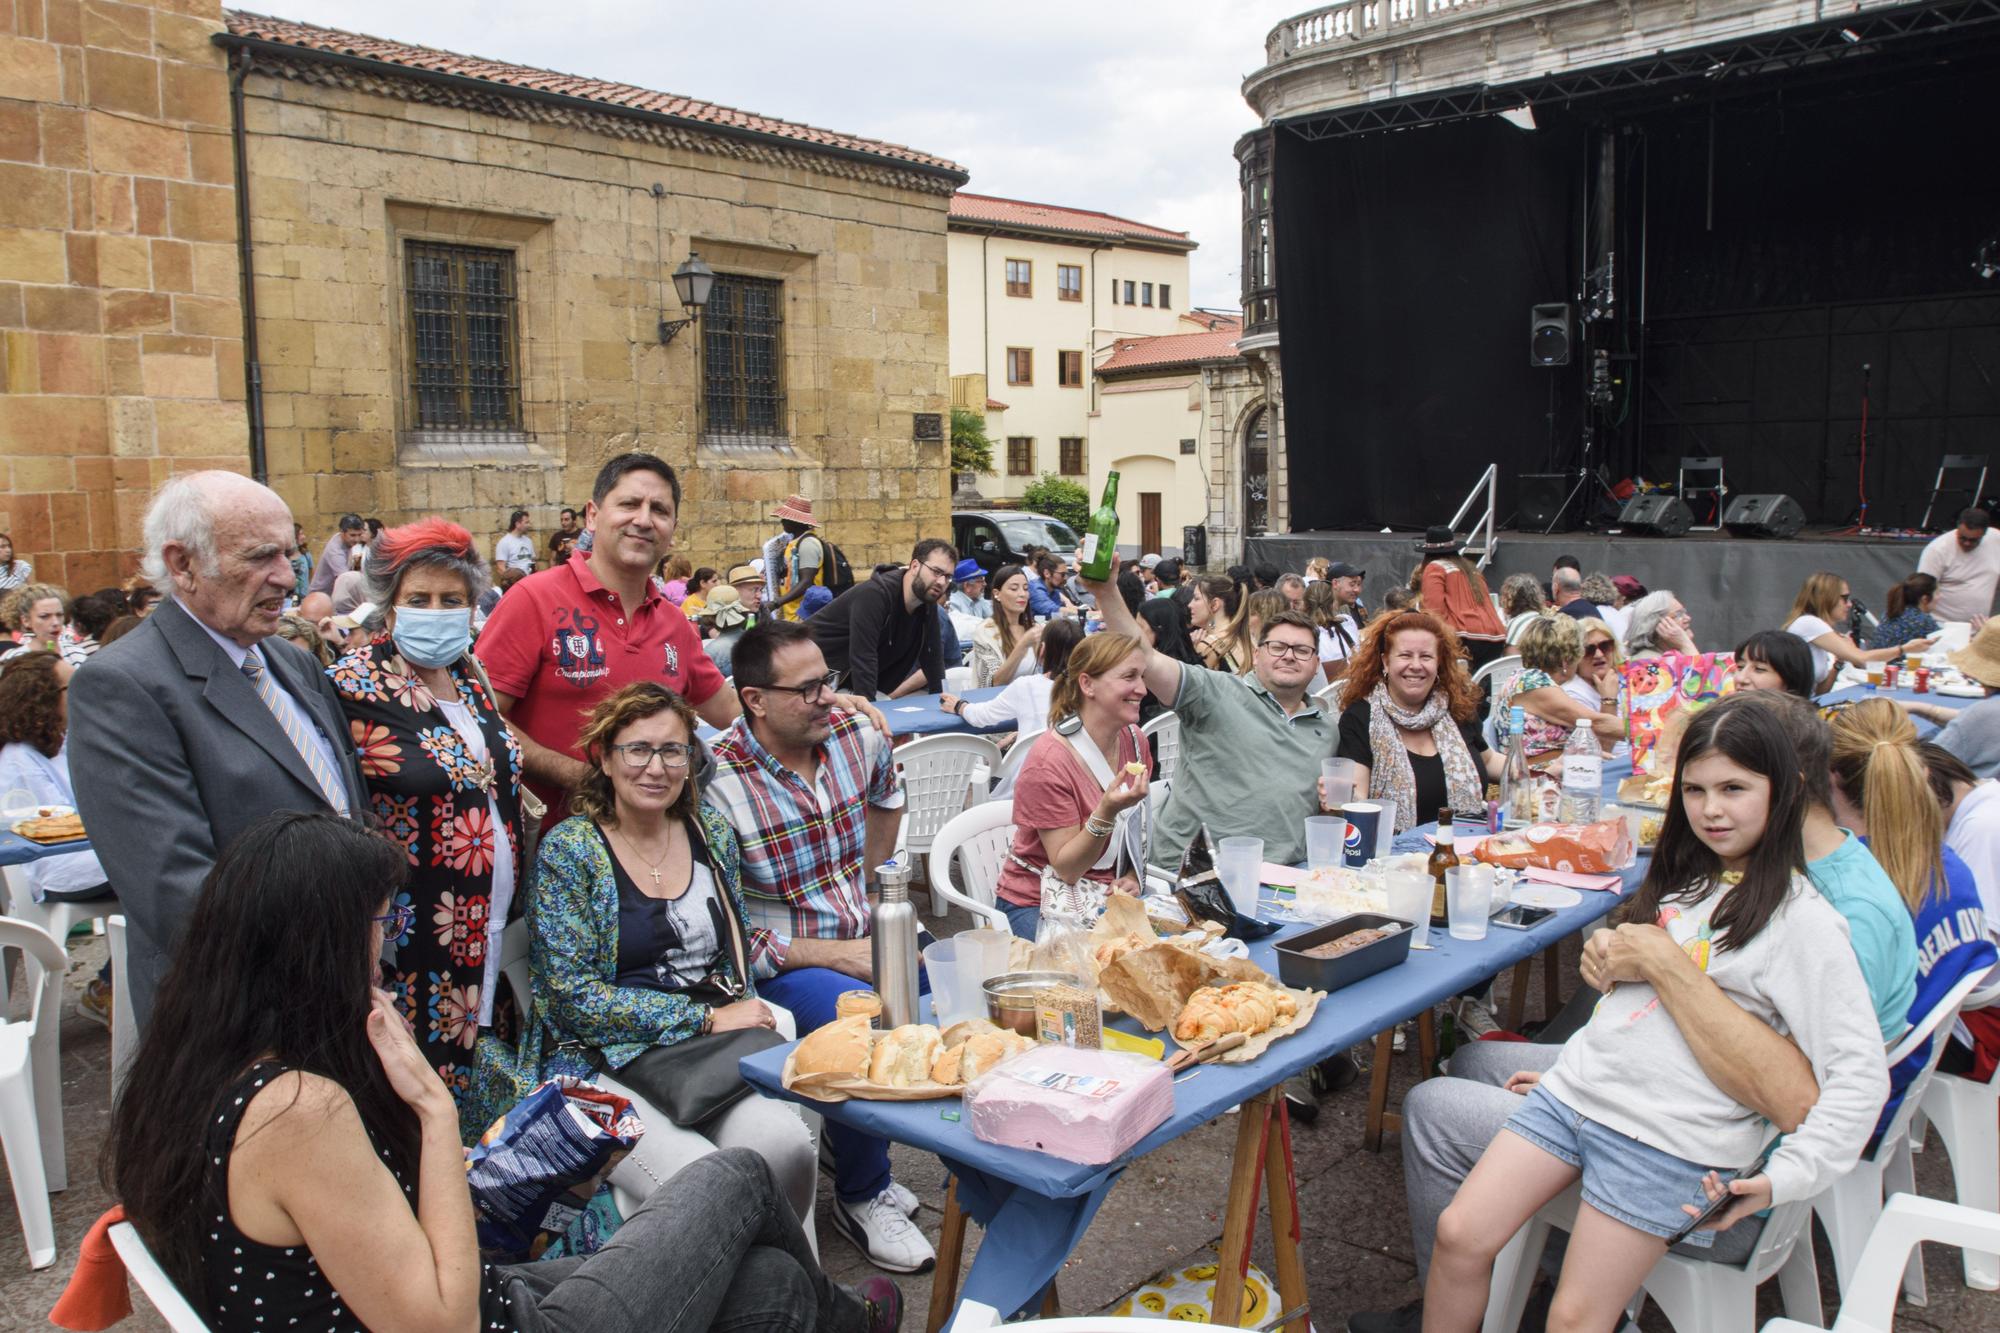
[680, 779]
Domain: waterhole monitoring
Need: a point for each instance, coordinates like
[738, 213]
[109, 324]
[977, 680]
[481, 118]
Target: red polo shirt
[561, 643]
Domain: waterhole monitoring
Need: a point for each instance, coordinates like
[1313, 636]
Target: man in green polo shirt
[1251, 746]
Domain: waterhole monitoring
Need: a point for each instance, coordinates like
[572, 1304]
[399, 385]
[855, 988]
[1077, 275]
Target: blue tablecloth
[1850, 693]
[1035, 1207]
[917, 715]
[16, 850]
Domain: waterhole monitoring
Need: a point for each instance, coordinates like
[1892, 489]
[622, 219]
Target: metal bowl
[1010, 997]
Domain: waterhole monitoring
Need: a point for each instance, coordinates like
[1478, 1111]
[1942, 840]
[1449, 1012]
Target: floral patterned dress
[429, 793]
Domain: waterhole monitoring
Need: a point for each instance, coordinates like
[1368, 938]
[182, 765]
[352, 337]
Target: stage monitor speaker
[1548, 335]
[1542, 496]
[1656, 515]
[1764, 516]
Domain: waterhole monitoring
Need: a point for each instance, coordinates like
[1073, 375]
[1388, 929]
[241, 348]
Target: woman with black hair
[292, 1159]
[1025, 701]
[1010, 634]
[1775, 659]
[1628, 1108]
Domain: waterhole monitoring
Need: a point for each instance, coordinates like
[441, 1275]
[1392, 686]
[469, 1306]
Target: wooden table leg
[950, 1255]
[1239, 1219]
[1051, 1301]
[1378, 1090]
[1427, 1048]
[1285, 1230]
[1517, 995]
[1551, 982]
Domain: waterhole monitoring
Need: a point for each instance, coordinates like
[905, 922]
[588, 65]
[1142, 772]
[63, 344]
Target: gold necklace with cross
[652, 867]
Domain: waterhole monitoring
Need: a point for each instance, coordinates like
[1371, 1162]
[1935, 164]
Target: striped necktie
[292, 721]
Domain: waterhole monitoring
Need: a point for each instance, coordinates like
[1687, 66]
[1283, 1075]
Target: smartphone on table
[1522, 917]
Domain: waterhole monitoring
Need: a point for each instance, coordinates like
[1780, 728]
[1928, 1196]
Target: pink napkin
[1281, 877]
[1571, 879]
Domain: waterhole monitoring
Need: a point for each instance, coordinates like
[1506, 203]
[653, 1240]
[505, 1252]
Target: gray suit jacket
[172, 755]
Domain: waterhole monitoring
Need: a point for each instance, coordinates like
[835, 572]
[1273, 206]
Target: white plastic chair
[124, 1028]
[57, 918]
[1504, 667]
[1868, 1301]
[31, 1127]
[1163, 733]
[1967, 1116]
[1849, 1207]
[1010, 764]
[153, 1282]
[1696, 1296]
[937, 774]
[978, 838]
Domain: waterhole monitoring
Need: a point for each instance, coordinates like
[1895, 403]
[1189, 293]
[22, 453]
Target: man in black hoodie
[879, 633]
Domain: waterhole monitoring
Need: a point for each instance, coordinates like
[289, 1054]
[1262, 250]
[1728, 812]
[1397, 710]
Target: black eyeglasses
[639, 756]
[937, 573]
[827, 684]
[395, 921]
[1296, 651]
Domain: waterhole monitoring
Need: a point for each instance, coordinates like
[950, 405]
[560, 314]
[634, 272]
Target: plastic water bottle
[1520, 787]
[1582, 776]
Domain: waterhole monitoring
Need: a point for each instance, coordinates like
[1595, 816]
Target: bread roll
[903, 1058]
[967, 1027]
[841, 1047]
[977, 1054]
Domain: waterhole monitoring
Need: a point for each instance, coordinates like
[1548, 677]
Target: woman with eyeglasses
[1551, 648]
[637, 913]
[444, 782]
[1597, 684]
[1820, 615]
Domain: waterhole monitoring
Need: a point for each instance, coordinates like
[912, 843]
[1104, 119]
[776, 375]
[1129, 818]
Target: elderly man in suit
[200, 722]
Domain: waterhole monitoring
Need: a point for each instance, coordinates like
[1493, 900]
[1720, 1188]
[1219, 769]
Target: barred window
[464, 371]
[1072, 455]
[1020, 456]
[743, 381]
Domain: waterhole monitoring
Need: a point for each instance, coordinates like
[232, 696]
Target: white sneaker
[903, 1199]
[1476, 1018]
[880, 1229]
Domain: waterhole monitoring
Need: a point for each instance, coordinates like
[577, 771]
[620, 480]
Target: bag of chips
[1590, 849]
[535, 1169]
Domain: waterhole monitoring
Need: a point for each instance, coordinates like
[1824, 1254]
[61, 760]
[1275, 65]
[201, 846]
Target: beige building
[1037, 292]
[462, 296]
[1187, 423]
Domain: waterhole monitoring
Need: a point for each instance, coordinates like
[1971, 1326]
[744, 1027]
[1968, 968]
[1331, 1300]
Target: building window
[1069, 370]
[1114, 291]
[1020, 277]
[1072, 455]
[463, 368]
[1131, 293]
[1187, 446]
[1260, 287]
[1145, 293]
[743, 381]
[1020, 365]
[1069, 282]
[1020, 456]
[1166, 297]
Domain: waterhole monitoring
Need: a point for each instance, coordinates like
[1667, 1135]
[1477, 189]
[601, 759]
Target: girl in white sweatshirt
[1627, 1106]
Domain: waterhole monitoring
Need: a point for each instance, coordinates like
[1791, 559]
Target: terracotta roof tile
[986, 208]
[1213, 321]
[995, 405]
[308, 37]
[1170, 349]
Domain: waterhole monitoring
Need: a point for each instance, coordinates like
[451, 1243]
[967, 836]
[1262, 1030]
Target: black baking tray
[1298, 971]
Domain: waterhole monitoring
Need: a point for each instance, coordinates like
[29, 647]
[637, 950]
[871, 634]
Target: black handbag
[694, 1080]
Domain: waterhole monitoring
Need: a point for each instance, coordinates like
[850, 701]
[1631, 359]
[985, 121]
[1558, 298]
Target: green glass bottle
[1098, 555]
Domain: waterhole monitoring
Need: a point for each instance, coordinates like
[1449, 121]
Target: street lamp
[692, 282]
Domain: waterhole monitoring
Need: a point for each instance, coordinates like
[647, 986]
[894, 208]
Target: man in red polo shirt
[563, 640]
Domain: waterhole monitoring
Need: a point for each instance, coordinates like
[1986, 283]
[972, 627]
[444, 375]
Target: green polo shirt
[1245, 769]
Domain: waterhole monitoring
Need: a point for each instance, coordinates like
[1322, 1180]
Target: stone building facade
[461, 273]
[120, 325]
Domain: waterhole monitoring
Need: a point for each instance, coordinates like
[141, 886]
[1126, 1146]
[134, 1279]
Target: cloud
[1131, 109]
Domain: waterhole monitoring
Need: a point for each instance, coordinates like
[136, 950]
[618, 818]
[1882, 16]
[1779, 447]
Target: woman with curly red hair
[1410, 722]
[444, 781]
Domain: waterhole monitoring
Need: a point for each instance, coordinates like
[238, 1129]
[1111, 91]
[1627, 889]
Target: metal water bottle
[894, 946]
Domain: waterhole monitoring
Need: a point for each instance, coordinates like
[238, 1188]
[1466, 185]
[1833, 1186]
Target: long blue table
[1035, 1207]
[1902, 694]
[16, 850]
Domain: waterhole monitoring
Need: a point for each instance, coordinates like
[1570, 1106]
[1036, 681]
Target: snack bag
[1591, 849]
[536, 1168]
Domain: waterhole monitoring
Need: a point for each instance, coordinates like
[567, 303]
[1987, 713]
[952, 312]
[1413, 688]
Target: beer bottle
[1443, 857]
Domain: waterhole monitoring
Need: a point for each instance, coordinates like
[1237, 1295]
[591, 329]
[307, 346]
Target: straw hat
[744, 574]
[723, 608]
[1980, 659]
[797, 508]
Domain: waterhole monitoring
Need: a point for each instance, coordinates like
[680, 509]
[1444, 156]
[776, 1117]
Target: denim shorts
[1622, 1178]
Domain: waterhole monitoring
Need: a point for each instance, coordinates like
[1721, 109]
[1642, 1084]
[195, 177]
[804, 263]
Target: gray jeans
[1448, 1123]
[716, 1248]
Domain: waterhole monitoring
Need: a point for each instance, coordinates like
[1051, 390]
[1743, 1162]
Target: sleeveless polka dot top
[253, 1286]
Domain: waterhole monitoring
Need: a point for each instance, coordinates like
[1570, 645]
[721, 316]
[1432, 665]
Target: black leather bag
[696, 1079]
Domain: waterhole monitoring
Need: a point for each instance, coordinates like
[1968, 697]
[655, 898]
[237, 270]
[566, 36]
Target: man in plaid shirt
[813, 796]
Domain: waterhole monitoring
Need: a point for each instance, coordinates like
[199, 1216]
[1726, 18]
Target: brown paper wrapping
[1308, 1002]
[1152, 984]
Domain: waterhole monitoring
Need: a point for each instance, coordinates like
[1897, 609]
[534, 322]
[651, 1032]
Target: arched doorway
[1257, 474]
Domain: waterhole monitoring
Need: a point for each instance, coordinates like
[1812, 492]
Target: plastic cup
[1324, 834]
[1468, 897]
[983, 954]
[1239, 864]
[1337, 781]
[1385, 833]
[941, 962]
[1364, 819]
[1876, 674]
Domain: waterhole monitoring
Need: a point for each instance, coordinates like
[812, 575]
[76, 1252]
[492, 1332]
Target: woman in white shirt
[1338, 632]
[1003, 643]
[1823, 603]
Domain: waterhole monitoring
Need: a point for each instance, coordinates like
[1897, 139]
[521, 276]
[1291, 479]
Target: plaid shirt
[803, 845]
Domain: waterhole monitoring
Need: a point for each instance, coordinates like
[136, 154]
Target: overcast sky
[1127, 108]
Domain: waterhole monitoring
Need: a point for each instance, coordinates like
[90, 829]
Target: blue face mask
[432, 638]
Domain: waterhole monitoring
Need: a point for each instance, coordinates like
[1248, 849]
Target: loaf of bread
[977, 1054]
[903, 1057]
[967, 1027]
[1359, 939]
[841, 1047]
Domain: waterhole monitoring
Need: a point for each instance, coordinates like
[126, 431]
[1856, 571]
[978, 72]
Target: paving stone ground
[1164, 1212]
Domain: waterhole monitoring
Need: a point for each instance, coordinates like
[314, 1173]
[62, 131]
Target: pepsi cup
[1364, 819]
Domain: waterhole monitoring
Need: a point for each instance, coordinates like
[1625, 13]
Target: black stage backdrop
[1406, 265]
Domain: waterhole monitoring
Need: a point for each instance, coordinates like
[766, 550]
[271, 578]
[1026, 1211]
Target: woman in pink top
[1079, 809]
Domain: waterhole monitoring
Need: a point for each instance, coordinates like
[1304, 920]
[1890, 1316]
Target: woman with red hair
[1408, 720]
[444, 781]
